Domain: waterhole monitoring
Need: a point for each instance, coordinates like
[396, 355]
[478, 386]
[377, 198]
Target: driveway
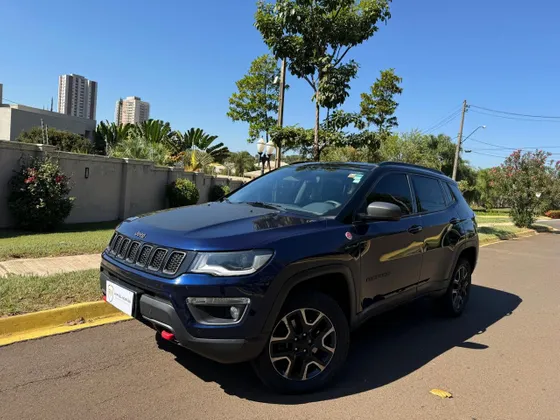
[500, 361]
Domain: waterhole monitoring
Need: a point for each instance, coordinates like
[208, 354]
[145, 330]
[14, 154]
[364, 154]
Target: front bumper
[160, 309]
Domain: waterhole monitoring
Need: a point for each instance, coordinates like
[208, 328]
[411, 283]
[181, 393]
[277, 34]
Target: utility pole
[281, 108]
[459, 139]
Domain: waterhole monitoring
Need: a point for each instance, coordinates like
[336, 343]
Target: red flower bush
[39, 196]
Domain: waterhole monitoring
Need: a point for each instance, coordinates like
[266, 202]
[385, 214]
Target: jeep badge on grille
[140, 235]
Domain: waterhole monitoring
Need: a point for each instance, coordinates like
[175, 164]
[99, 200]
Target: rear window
[429, 195]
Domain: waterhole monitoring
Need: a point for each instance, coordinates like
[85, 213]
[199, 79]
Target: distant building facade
[77, 96]
[131, 110]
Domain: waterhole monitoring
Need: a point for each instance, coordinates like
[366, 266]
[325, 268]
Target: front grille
[134, 247]
[157, 259]
[174, 262]
[143, 256]
[124, 248]
[117, 246]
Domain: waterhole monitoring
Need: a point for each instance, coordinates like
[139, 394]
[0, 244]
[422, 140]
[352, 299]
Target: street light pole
[459, 138]
[265, 151]
[281, 108]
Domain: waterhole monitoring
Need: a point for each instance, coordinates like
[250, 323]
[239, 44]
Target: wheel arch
[334, 280]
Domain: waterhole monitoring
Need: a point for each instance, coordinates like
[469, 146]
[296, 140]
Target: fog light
[235, 313]
[218, 311]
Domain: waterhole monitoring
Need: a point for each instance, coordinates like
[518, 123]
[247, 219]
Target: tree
[242, 162]
[315, 37]
[523, 177]
[378, 107]
[256, 99]
[343, 154]
[152, 131]
[108, 135]
[183, 146]
[62, 140]
[140, 148]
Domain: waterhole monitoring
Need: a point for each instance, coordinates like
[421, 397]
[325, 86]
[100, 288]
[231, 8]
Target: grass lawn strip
[503, 232]
[23, 294]
[87, 238]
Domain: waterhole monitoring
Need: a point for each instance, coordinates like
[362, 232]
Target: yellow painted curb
[56, 321]
[519, 235]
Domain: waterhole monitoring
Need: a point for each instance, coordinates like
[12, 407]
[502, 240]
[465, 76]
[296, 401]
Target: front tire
[457, 295]
[307, 347]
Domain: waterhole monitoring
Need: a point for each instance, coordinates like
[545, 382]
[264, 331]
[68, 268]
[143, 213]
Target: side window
[449, 196]
[393, 188]
[451, 193]
[429, 195]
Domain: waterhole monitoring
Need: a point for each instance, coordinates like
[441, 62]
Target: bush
[553, 214]
[62, 140]
[182, 192]
[38, 198]
[217, 192]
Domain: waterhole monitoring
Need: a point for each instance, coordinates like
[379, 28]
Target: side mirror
[379, 210]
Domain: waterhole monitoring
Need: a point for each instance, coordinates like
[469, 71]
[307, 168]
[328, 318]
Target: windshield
[314, 189]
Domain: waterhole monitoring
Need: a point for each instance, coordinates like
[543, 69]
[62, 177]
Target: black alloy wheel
[308, 345]
[302, 344]
[455, 299]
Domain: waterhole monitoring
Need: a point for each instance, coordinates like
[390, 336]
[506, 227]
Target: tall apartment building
[131, 110]
[77, 96]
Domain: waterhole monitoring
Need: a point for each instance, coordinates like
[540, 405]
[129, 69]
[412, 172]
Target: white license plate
[119, 297]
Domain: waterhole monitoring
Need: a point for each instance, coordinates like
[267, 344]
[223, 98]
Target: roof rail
[411, 165]
[301, 161]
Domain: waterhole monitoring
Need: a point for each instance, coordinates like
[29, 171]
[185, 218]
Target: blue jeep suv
[280, 271]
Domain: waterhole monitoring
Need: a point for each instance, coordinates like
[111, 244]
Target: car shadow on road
[383, 350]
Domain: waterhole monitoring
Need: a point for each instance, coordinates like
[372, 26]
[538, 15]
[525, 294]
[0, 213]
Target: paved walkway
[51, 265]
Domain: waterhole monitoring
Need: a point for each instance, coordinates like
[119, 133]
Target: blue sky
[185, 56]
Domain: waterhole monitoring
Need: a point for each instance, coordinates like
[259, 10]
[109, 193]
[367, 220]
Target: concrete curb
[57, 321]
[525, 234]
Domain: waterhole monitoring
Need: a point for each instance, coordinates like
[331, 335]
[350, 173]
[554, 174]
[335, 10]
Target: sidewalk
[48, 266]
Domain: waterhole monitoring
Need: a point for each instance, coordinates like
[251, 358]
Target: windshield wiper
[264, 205]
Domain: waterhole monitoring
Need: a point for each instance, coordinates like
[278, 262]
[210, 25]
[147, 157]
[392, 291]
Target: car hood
[218, 226]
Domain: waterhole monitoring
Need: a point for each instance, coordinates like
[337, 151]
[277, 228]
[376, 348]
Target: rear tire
[455, 299]
[307, 347]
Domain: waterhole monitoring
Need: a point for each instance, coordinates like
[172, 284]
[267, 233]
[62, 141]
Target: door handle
[454, 221]
[415, 229]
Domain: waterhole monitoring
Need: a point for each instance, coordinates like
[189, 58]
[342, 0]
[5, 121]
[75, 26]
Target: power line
[516, 118]
[488, 154]
[6, 99]
[515, 113]
[514, 148]
[444, 121]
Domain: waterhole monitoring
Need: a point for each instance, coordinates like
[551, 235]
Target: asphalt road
[500, 361]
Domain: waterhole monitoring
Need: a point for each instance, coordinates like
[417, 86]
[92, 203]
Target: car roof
[357, 165]
[371, 166]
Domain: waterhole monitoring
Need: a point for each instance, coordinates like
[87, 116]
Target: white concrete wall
[114, 188]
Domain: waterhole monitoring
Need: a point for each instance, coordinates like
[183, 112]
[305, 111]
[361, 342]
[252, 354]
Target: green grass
[23, 294]
[86, 238]
[492, 233]
[483, 219]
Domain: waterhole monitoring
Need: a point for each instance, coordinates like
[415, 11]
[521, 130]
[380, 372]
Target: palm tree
[242, 162]
[152, 131]
[140, 148]
[108, 135]
[197, 139]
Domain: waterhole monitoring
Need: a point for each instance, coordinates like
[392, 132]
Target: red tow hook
[104, 298]
[167, 335]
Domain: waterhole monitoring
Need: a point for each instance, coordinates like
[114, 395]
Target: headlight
[230, 263]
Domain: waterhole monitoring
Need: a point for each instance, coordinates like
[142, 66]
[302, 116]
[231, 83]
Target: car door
[391, 255]
[439, 217]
